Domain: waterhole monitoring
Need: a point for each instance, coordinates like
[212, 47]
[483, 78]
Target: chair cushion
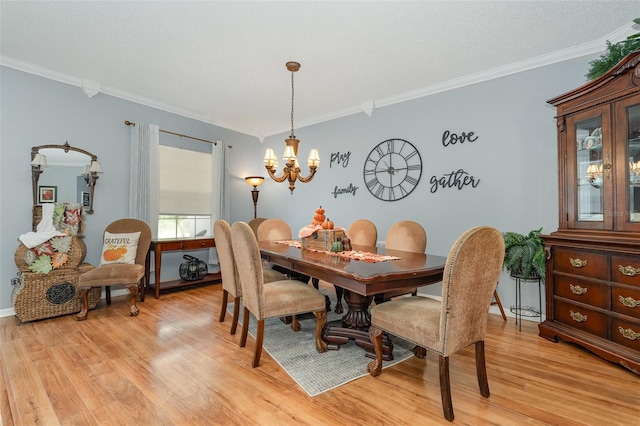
[113, 274]
[414, 318]
[271, 275]
[119, 248]
[290, 297]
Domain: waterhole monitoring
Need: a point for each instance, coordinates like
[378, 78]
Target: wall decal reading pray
[458, 179]
[351, 189]
[449, 138]
[338, 158]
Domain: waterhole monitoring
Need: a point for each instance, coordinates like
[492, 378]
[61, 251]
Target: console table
[178, 244]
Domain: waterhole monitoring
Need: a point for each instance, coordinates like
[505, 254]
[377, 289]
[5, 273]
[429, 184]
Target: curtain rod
[131, 123]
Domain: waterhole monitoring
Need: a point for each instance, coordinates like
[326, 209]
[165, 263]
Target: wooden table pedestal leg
[355, 326]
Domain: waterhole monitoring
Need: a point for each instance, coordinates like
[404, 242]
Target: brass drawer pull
[629, 302]
[577, 316]
[628, 333]
[629, 270]
[576, 289]
[578, 263]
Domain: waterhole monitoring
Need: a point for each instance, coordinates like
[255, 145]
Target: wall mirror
[64, 173]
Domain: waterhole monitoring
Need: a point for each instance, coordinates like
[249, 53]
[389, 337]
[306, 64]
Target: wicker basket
[76, 253]
[39, 296]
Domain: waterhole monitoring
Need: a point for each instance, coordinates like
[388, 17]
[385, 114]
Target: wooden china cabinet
[593, 267]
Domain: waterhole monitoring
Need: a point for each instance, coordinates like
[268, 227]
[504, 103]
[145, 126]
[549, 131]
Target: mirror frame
[36, 170]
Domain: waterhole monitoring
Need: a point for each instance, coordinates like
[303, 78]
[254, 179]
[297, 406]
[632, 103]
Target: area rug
[312, 371]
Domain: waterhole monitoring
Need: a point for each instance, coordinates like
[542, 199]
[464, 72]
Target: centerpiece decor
[321, 234]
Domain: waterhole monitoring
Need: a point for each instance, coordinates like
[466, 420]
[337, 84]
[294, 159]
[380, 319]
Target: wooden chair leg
[259, 339]
[133, 297]
[107, 292]
[236, 315]
[82, 315]
[497, 302]
[321, 320]
[445, 388]
[481, 369]
[375, 367]
[315, 282]
[295, 324]
[223, 307]
[245, 328]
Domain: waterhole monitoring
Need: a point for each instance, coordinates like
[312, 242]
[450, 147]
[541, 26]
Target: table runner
[352, 254]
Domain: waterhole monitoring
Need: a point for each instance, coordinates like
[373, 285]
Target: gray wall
[514, 158]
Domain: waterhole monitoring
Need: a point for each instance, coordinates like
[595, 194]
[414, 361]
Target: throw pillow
[119, 248]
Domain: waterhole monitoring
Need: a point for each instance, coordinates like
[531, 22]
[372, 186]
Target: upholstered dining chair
[361, 232]
[405, 235]
[470, 277]
[229, 272]
[276, 299]
[112, 272]
[255, 224]
[274, 230]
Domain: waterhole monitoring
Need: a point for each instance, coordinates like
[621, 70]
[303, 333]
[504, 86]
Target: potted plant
[524, 255]
[614, 53]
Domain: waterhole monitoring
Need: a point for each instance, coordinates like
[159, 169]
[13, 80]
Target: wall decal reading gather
[449, 138]
[338, 158]
[351, 189]
[458, 179]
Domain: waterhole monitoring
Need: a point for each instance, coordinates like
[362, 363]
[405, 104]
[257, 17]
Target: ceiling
[223, 62]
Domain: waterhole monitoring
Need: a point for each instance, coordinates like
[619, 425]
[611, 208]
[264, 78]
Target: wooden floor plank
[175, 364]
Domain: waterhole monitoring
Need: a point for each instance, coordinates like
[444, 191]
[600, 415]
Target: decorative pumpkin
[325, 225]
[336, 246]
[114, 253]
[318, 217]
[320, 211]
[329, 224]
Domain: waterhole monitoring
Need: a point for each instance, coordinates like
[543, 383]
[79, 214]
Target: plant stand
[526, 311]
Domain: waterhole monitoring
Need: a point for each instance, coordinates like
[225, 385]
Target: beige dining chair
[361, 232]
[405, 235]
[274, 230]
[229, 273]
[470, 277]
[276, 299]
[255, 224]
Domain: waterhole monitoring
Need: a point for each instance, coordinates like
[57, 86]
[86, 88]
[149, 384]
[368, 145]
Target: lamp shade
[289, 154]
[95, 167]
[270, 157]
[39, 160]
[254, 181]
[314, 158]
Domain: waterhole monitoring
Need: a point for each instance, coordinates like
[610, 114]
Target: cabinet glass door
[590, 202]
[590, 171]
[628, 164]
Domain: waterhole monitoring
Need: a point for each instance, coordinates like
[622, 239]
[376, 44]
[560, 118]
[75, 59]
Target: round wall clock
[392, 169]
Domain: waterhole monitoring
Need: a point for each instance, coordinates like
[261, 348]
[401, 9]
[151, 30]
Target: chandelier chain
[292, 133]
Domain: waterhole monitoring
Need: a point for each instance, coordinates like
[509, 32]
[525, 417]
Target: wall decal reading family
[338, 158]
[351, 189]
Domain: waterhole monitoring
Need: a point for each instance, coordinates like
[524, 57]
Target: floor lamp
[254, 181]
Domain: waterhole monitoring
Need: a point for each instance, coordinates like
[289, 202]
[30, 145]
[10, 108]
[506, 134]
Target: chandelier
[291, 171]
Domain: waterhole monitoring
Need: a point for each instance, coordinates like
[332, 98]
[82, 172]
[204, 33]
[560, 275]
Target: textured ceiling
[223, 62]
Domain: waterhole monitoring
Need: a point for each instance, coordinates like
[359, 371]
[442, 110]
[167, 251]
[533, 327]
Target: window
[185, 193]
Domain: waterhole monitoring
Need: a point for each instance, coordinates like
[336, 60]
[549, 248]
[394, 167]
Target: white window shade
[185, 181]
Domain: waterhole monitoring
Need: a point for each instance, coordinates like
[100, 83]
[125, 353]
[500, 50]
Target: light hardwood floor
[175, 364]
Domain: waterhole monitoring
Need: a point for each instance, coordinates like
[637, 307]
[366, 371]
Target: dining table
[362, 273]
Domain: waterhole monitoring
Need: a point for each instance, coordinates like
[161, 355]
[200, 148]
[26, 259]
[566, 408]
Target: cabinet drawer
[625, 301]
[596, 294]
[626, 333]
[585, 263]
[626, 269]
[170, 246]
[581, 318]
[194, 245]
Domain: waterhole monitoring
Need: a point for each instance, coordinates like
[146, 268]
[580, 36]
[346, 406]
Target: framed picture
[47, 194]
[86, 199]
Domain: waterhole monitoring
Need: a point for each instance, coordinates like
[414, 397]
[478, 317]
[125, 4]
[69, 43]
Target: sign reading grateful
[457, 178]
